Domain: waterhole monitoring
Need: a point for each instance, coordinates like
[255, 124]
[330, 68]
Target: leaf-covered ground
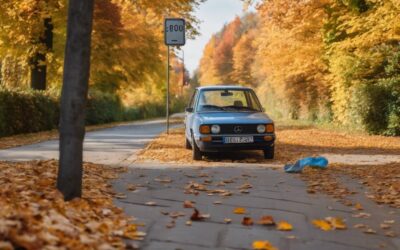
[33, 214]
[293, 142]
[383, 181]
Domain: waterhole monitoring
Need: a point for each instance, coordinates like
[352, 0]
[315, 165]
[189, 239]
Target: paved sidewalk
[114, 146]
[274, 193]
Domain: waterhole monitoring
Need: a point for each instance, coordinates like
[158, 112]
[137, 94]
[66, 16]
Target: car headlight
[215, 129]
[261, 129]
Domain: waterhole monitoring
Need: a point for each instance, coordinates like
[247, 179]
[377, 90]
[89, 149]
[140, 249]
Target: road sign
[174, 35]
[174, 32]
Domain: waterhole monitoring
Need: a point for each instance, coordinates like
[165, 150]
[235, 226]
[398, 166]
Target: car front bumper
[217, 144]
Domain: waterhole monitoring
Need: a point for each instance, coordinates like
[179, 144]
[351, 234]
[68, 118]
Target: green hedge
[27, 111]
[34, 111]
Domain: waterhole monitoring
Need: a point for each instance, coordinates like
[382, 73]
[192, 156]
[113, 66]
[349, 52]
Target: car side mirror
[190, 110]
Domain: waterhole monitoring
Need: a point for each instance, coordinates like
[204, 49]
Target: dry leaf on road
[266, 221]
[227, 220]
[188, 204]
[247, 221]
[336, 222]
[151, 203]
[196, 216]
[322, 224]
[239, 210]
[284, 226]
[263, 245]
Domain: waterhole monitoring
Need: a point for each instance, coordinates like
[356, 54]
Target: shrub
[103, 108]
[33, 111]
[27, 111]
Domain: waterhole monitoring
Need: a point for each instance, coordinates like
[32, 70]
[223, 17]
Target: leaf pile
[33, 214]
[383, 182]
[291, 146]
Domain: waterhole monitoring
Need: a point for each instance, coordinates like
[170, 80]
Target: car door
[190, 115]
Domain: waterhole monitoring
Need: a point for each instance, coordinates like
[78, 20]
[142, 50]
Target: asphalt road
[273, 192]
[113, 146]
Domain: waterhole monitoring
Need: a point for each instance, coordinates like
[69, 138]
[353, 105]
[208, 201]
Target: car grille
[245, 129]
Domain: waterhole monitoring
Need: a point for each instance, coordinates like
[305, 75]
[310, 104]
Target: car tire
[188, 145]
[197, 154]
[269, 152]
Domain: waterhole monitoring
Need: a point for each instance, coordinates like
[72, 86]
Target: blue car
[227, 118]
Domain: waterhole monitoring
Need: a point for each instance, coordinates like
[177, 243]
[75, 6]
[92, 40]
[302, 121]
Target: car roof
[211, 87]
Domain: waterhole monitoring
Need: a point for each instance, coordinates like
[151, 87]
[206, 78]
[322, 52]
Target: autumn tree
[363, 42]
[243, 52]
[26, 35]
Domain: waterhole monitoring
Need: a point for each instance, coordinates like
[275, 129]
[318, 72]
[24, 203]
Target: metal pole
[167, 90]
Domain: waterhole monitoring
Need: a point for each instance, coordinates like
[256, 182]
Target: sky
[213, 14]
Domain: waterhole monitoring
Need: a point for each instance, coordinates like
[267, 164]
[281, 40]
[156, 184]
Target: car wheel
[269, 152]
[197, 154]
[188, 145]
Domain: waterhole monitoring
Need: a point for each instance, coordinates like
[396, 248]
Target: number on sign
[176, 28]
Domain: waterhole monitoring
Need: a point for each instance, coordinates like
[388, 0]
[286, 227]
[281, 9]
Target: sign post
[174, 35]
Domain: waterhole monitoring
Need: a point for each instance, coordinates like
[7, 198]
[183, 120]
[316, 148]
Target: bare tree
[74, 96]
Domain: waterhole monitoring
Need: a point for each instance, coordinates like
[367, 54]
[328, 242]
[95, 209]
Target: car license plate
[239, 139]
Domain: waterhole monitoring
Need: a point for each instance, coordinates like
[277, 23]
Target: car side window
[191, 103]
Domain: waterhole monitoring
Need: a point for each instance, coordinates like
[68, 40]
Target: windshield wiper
[240, 108]
[203, 107]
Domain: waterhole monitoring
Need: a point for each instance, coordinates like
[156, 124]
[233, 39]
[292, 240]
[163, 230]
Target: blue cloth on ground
[320, 162]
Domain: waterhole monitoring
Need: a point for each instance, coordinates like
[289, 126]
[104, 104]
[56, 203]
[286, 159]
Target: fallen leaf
[369, 231]
[171, 224]
[188, 223]
[322, 224]
[196, 216]
[239, 210]
[284, 226]
[360, 226]
[165, 180]
[266, 221]
[246, 186]
[358, 207]
[131, 187]
[188, 204]
[206, 216]
[151, 203]
[390, 234]
[263, 245]
[175, 215]
[291, 237]
[361, 215]
[336, 222]
[385, 226]
[247, 221]
[389, 221]
[227, 220]
[120, 196]
[217, 202]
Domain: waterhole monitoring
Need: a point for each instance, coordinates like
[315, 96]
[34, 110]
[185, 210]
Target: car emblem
[238, 129]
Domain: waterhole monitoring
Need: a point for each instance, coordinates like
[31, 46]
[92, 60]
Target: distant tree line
[330, 60]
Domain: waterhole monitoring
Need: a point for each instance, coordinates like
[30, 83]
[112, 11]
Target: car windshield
[228, 100]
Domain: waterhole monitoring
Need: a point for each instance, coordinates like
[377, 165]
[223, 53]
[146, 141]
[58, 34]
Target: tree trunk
[38, 66]
[73, 97]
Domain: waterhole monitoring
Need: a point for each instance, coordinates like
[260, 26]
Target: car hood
[233, 118]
